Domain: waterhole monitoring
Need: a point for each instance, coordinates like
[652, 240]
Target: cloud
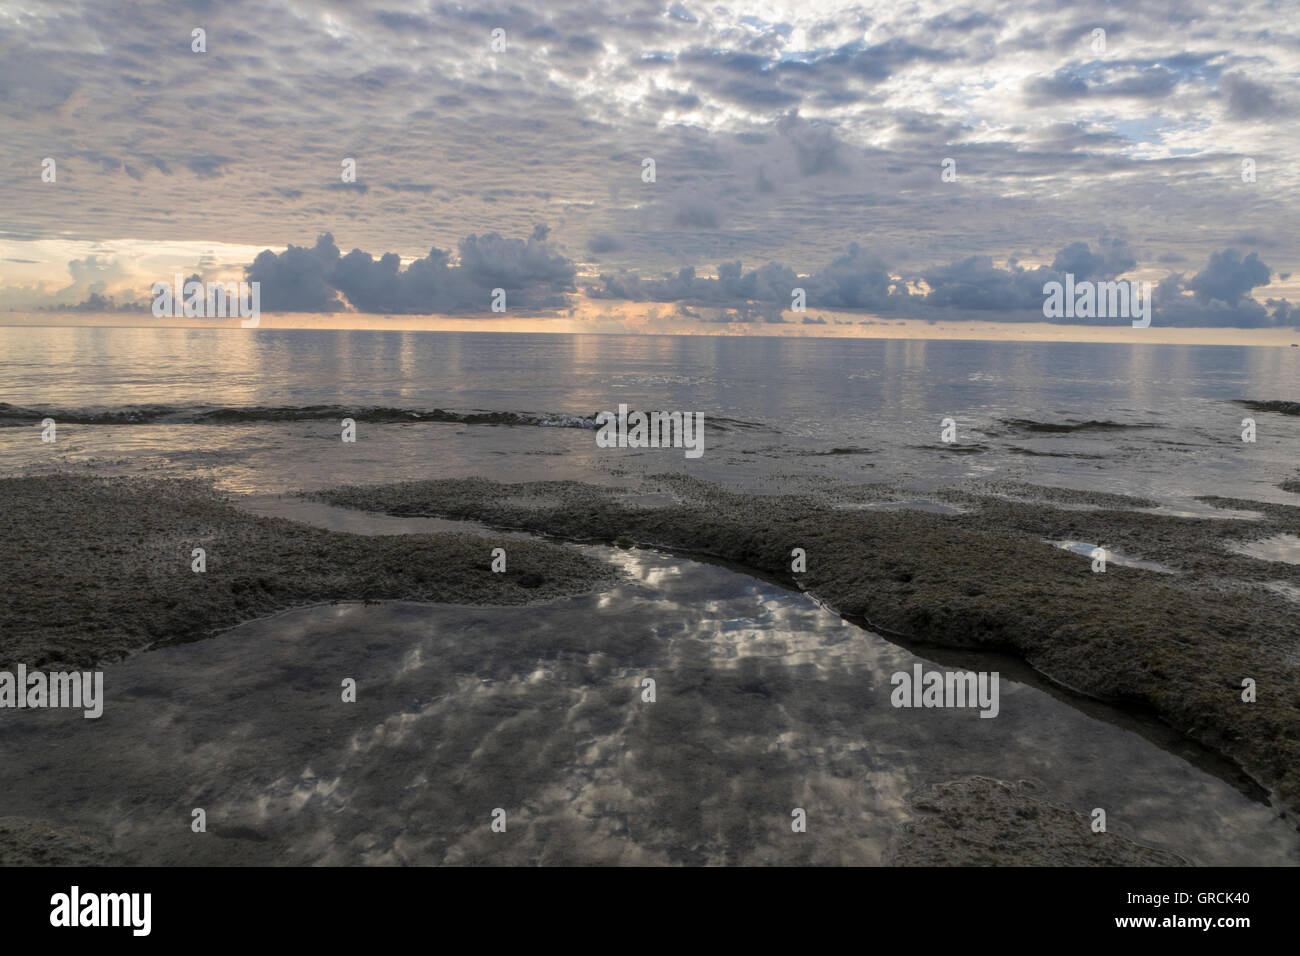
[1064, 85]
[695, 212]
[1248, 99]
[297, 280]
[971, 287]
[817, 149]
[1113, 257]
[604, 242]
[975, 283]
[207, 167]
[29, 84]
[98, 302]
[533, 274]
[1228, 277]
[857, 279]
[799, 130]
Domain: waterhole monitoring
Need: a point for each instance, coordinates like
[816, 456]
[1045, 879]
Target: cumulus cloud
[975, 283]
[1113, 257]
[319, 279]
[296, 280]
[1228, 277]
[973, 287]
[857, 279]
[97, 302]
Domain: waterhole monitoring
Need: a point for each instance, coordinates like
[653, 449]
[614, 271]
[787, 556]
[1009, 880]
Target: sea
[262, 410]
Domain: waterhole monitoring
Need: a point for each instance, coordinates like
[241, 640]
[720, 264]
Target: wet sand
[95, 568]
[978, 821]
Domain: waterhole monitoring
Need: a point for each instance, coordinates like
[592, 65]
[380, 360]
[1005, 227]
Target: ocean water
[1159, 421]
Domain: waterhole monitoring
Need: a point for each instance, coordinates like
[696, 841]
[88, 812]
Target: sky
[898, 161]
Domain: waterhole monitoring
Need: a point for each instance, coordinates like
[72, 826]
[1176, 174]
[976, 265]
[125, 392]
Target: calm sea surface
[1153, 420]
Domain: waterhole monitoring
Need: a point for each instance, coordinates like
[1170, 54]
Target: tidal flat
[523, 690]
[1180, 645]
[96, 568]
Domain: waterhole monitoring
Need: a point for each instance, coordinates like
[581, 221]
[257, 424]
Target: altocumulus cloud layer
[783, 132]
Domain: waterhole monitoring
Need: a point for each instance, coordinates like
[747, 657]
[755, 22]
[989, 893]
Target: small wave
[954, 448]
[16, 415]
[1020, 450]
[727, 424]
[1029, 425]
[1272, 405]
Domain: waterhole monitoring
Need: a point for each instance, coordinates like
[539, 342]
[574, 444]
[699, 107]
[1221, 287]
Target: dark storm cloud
[319, 279]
